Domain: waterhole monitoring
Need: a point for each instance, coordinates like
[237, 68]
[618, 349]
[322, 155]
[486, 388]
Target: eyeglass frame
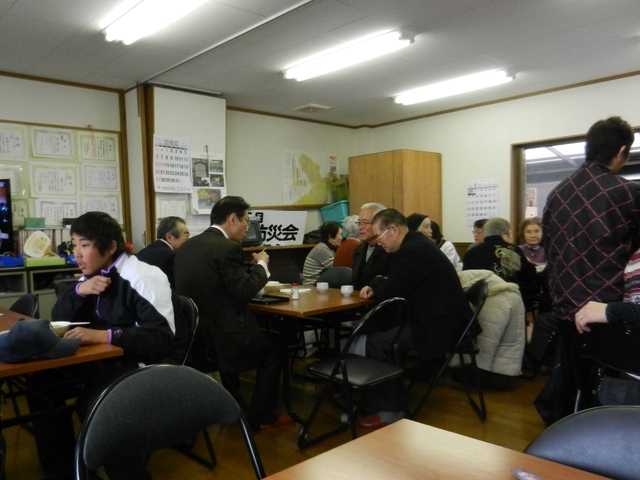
[378, 237]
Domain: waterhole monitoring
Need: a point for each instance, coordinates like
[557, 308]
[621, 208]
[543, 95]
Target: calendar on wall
[482, 200]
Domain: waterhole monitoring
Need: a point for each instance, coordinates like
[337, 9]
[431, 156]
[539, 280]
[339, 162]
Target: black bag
[619, 391]
[544, 339]
[545, 402]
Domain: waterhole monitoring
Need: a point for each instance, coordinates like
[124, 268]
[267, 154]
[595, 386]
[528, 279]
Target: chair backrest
[62, 285]
[336, 276]
[384, 316]
[614, 345]
[601, 440]
[191, 318]
[476, 295]
[27, 305]
[156, 407]
[288, 274]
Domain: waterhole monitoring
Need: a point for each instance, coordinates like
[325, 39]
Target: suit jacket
[364, 270]
[210, 269]
[424, 276]
[161, 255]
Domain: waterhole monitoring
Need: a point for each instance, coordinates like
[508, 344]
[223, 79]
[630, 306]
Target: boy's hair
[102, 229]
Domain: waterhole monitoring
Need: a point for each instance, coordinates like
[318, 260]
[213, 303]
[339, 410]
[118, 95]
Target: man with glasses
[369, 259]
[438, 310]
[210, 269]
[172, 232]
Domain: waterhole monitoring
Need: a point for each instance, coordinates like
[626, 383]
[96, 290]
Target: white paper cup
[346, 290]
[322, 286]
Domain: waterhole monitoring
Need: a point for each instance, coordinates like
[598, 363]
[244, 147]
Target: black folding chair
[152, 408]
[476, 295]
[27, 305]
[336, 276]
[353, 374]
[599, 440]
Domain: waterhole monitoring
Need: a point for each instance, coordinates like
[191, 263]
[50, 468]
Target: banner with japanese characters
[280, 227]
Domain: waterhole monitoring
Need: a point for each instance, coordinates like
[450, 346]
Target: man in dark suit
[210, 269]
[369, 259]
[171, 234]
[438, 310]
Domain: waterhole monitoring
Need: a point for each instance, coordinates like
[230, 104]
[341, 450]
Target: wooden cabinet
[408, 180]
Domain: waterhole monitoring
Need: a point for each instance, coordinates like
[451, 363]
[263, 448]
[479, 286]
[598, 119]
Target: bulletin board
[60, 173]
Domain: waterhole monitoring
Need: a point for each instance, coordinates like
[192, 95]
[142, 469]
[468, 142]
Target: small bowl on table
[60, 328]
[274, 288]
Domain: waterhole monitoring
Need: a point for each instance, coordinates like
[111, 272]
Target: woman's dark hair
[436, 234]
[329, 230]
[225, 207]
[480, 223]
[415, 220]
[101, 228]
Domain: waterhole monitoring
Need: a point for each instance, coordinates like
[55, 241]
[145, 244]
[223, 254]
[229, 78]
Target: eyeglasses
[382, 234]
[364, 223]
[246, 219]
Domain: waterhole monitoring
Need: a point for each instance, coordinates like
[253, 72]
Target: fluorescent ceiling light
[458, 85]
[135, 19]
[347, 54]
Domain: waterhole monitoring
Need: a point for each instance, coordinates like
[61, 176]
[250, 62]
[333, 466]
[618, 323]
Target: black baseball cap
[34, 340]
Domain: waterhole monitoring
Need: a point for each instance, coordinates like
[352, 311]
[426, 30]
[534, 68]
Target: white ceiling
[548, 43]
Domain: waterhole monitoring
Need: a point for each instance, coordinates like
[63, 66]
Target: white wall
[254, 151]
[476, 143]
[200, 119]
[53, 104]
[139, 236]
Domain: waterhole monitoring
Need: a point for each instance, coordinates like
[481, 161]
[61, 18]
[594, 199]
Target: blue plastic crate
[336, 212]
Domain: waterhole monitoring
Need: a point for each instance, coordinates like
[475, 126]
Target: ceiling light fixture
[468, 83]
[348, 54]
[135, 19]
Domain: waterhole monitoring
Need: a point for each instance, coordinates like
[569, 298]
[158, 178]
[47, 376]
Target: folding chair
[152, 408]
[187, 322]
[336, 276]
[600, 440]
[476, 295]
[26, 305]
[354, 374]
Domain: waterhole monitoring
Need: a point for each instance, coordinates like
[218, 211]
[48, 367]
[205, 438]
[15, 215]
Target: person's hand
[366, 292]
[264, 256]
[592, 312]
[94, 286]
[88, 336]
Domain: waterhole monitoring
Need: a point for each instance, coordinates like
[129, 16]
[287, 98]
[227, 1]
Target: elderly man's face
[365, 231]
[387, 237]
